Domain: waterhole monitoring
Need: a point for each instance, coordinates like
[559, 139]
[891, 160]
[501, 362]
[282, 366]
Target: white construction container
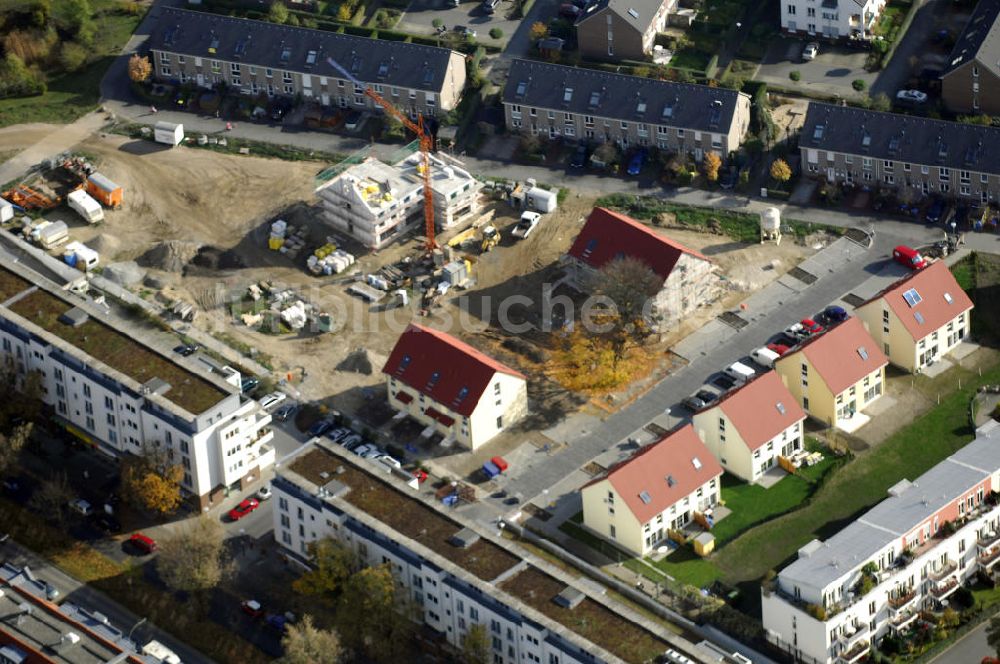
[168, 133]
[50, 234]
[6, 211]
[81, 256]
[85, 206]
[540, 199]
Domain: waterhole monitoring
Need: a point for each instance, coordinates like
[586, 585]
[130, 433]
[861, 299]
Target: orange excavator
[425, 129]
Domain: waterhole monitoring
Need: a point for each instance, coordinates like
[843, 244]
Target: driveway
[931, 16]
[419, 16]
[831, 73]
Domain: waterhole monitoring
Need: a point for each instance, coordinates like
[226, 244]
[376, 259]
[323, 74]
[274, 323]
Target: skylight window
[781, 407]
[383, 69]
[214, 45]
[462, 393]
[645, 497]
[640, 107]
[591, 245]
[671, 481]
[919, 317]
[866, 140]
[405, 362]
[863, 352]
[286, 53]
[311, 58]
[894, 144]
[567, 95]
[434, 379]
[912, 297]
[668, 111]
[241, 48]
[697, 463]
[633, 13]
[522, 87]
[818, 132]
[948, 298]
[428, 76]
[595, 98]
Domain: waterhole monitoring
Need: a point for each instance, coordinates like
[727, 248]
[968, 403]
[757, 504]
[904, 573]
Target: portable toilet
[6, 211]
[104, 190]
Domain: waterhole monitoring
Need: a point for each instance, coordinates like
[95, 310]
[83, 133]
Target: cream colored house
[835, 374]
[606, 236]
[451, 387]
[751, 426]
[638, 501]
[920, 318]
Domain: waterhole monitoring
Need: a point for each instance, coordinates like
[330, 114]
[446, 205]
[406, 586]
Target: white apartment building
[119, 395]
[915, 548]
[375, 203]
[831, 19]
[456, 575]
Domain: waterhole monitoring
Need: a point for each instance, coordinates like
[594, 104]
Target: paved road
[897, 71]
[970, 649]
[85, 596]
[60, 140]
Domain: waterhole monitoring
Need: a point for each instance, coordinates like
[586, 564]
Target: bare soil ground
[789, 117]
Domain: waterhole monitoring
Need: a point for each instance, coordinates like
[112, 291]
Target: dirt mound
[362, 361]
[170, 256]
[213, 258]
[105, 244]
[127, 273]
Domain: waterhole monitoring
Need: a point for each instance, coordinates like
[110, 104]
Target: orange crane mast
[426, 145]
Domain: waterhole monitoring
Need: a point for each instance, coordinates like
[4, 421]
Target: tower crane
[424, 134]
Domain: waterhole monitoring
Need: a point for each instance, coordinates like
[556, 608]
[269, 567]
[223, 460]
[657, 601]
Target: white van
[765, 357]
[740, 372]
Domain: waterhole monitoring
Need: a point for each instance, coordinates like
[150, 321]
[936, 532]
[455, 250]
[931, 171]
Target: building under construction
[375, 203]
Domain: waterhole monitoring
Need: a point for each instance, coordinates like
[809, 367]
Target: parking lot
[831, 73]
[420, 15]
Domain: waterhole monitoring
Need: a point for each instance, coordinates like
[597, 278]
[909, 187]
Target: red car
[143, 543]
[244, 508]
[252, 608]
[780, 349]
[811, 327]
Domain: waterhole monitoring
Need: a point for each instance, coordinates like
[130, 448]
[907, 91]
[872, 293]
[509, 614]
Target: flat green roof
[11, 285]
[116, 349]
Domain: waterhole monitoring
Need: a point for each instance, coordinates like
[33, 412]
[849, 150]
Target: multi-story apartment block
[376, 203]
[831, 19]
[598, 106]
[122, 396]
[465, 395]
[621, 29]
[751, 426]
[256, 57]
[607, 236]
[920, 318]
[907, 554]
[900, 152]
[835, 374]
[456, 573]
[637, 502]
[970, 82]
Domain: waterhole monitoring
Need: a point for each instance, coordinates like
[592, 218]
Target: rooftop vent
[75, 317]
[156, 386]
[569, 598]
[464, 538]
[633, 13]
[671, 481]
[948, 298]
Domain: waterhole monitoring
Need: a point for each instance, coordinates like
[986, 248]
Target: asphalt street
[970, 649]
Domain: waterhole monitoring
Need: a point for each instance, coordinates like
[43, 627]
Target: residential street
[970, 649]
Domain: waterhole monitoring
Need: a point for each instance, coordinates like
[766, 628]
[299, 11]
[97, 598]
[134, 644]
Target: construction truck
[491, 238]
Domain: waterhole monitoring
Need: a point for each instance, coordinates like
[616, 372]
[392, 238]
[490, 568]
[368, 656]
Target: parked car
[388, 461]
[527, 224]
[352, 440]
[811, 327]
[338, 434]
[319, 428]
[810, 51]
[765, 357]
[724, 382]
[366, 451]
[636, 163]
[252, 608]
[466, 31]
[935, 211]
[693, 404]
[834, 314]
[272, 400]
[490, 6]
[286, 411]
[246, 506]
[146, 545]
[729, 178]
[264, 493]
[108, 523]
[579, 158]
[796, 332]
[185, 350]
[911, 96]
[780, 349]
[786, 339]
[707, 396]
[909, 257]
[81, 506]
[740, 372]
[353, 121]
[51, 592]
[569, 10]
[280, 107]
[248, 385]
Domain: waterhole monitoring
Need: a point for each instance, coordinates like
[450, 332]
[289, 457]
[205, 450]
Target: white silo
[770, 225]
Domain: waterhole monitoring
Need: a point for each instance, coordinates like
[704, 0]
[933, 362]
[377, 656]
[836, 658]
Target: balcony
[903, 601]
[944, 572]
[988, 539]
[855, 654]
[859, 635]
[941, 589]
[903, 620]
[989, 558]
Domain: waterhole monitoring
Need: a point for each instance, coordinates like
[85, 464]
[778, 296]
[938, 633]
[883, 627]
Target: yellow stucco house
[920, 318]
[751, 426]
[636, 502]
[836, 373]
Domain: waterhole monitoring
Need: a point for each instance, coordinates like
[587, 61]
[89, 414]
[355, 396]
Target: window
[791, 10]
[500, 422]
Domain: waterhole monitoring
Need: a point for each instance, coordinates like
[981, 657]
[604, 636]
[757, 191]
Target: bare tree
[53, 497]
[629, 284]
[476, 645]
[192, 558]
[304, 643]
[11, 445]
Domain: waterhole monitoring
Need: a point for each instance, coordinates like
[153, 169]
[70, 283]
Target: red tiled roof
[931, 284]
[665, 472]
[836, 354]
[441, 367]
[608, 235]
[754, 409]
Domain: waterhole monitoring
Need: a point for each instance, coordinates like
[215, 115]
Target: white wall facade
[846, 19]
[724, 441]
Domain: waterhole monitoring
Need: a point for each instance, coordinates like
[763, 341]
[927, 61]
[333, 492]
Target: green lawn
[859, 484]
[689, 58]
[73, 95]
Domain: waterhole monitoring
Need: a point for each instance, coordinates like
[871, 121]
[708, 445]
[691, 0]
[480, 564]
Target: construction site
[275, 279]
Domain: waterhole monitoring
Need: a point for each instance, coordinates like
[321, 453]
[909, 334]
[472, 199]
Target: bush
[816, 611]
[858, 85]
[437, 23]
[795, 75]
[496, 33]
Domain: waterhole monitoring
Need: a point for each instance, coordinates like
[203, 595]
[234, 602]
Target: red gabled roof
[421, 352]
[609, 235]
[761, 409]
[932, 284]
[842, 355]
[666, 471]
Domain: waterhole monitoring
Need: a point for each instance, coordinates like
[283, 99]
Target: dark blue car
[834, 314]
[935, 211]
[635, 164]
